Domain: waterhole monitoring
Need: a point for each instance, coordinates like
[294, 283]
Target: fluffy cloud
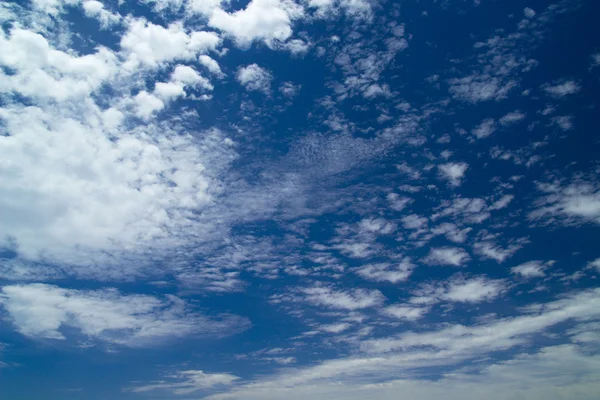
[453, 172]
[148, 44]
[40, 311]
[262, 20]
[211, 65]
[84, 183]
[255, 78]
[95, 9]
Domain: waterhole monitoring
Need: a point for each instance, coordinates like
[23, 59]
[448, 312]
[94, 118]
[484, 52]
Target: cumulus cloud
[95, 9]
[255, 78]
[84, 183]
[148, 44]
[211, 65]
[262, 20]
[453, 172]
[453, 256]
[43, 311]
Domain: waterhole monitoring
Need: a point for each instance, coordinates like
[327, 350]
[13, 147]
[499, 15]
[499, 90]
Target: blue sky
[325, 199]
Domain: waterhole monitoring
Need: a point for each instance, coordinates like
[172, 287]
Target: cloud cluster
[42, 311]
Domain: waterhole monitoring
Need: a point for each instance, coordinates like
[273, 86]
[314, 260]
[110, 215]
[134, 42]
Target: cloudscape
[299, 199]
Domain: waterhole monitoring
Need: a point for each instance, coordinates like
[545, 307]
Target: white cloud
[40, 311]
[397, 202]
[511, 118]
[148, 44]
[390, 272]
[188, 382]
[414, 221]
[262, 20]
[502, 202]
[536, 376]
[452, 232]
[382, 368]
[453, 172]
[211, 65]
[355, 299]
[297, 47]
[454, 256]
[95, 9]
[480, 87]
[490, 250]
[576, 202]
[335, 328]
[474, 290]
[147, 104]
[289, 90]
[377, 226]
[485, 129]
[409, 313]
[255, 78]
[532, 269]
[83, 184]
[562, 89]
[595, 264]
[464, 210]
[43, 73]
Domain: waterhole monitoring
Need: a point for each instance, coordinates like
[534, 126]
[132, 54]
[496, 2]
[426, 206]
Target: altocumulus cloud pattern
[299, 199]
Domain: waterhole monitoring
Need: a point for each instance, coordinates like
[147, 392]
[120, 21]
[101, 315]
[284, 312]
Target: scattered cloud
[532, 269]
[354, 299]
[453, 172]
[453, 256]
[485, 129]
[562, 88]
[188, 382]
[42, 311]
[255, 78]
